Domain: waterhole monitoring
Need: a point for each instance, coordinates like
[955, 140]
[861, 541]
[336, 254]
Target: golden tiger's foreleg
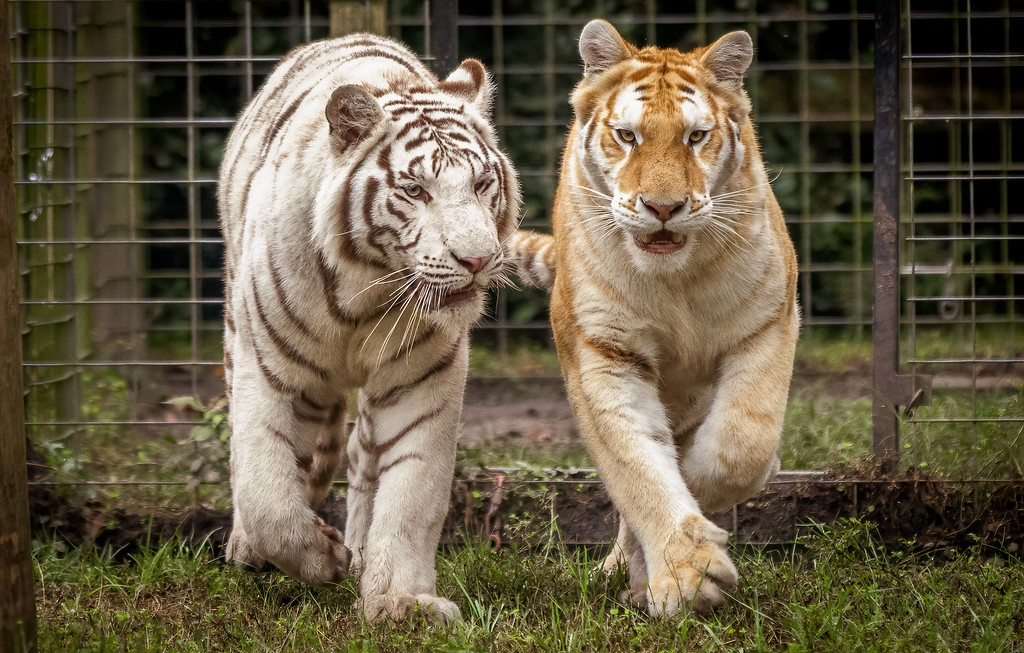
[733, 454]
[626, 430]
[401, 463]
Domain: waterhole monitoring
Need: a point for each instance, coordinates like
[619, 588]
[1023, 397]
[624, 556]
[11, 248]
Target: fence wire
[963, 222]
[121, 110]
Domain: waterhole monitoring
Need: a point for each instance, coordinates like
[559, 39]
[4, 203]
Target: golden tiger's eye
[697, 135]
[626, 135]
[412, 190]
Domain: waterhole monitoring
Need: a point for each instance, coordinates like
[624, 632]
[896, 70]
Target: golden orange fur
[673, 302]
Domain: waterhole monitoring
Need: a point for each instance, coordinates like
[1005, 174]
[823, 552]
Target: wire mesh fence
[963, 227]
[122, 108]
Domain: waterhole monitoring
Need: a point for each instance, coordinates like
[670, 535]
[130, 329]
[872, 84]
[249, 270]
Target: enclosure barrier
[121, 110]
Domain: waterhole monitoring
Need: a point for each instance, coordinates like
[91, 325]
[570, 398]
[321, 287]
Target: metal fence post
[444, 36]
[17, 599]
[889, 388]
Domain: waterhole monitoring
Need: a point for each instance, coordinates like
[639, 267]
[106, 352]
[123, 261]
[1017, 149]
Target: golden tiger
[673, 302]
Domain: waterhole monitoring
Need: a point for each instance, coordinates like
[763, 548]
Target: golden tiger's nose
[474, 263]
[665, 212]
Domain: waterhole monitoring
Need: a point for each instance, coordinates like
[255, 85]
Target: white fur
[354, 307]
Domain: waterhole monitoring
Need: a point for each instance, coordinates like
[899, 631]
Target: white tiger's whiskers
[405, 305]
[385, 280]
[396, 296]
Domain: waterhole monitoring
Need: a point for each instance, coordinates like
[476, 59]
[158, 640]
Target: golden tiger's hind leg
[628, 554]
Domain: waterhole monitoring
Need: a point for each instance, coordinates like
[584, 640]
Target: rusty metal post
[889, 388]
[17, 598]
[886, 315]
[444, 36]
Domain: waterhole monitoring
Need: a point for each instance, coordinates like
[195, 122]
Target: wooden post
[348, 16]
[17, 598]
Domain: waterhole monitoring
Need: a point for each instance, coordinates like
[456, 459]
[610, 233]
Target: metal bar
[886, 314]
[444, 36]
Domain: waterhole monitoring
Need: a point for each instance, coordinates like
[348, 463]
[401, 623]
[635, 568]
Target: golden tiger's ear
[351, 113]
[601, 47]
[470, 82]
[728, 59]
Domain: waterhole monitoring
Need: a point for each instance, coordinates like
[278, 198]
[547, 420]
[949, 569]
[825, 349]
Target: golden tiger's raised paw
[697, 569]
[402, 607]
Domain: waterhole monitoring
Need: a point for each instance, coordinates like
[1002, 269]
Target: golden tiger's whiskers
[749, 188]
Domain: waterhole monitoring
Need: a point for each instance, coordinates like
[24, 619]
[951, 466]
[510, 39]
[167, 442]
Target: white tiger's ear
[601, 47]
[351, 113]
[728, 59]
[470, 82]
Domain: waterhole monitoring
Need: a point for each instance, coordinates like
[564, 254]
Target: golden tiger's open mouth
[661, 242]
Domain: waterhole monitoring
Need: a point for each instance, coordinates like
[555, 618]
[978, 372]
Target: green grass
[835, 590]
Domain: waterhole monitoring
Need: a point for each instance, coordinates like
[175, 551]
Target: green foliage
[205, 452]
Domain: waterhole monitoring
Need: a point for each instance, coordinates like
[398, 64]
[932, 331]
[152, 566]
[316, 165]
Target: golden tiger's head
[660, 135]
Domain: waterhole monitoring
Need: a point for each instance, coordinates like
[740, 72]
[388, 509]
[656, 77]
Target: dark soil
[931, 511]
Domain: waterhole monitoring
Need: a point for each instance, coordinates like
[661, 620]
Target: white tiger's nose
[474, 263]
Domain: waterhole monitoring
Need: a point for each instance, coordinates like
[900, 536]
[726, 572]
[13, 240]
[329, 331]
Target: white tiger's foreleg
[627, 432]
[402, 457]
[734, 450]
[270, 494]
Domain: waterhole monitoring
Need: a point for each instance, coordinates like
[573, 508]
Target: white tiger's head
[418, 188]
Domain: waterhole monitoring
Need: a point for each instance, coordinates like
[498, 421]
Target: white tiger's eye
[413, 190]
[480, 185]
[626, 135]
[697, 135]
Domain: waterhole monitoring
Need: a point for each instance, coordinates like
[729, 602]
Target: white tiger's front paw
[326, 560]
[400, 607]
[314, 555]
[697, 570]
[240, 553]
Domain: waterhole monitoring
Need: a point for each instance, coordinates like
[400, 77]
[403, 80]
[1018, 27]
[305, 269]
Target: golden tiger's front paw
[400, 607]
[696, 571]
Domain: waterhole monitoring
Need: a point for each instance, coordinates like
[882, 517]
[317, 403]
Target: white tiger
[364, 205]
